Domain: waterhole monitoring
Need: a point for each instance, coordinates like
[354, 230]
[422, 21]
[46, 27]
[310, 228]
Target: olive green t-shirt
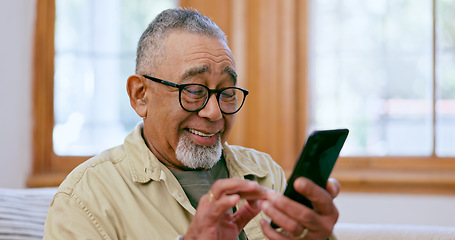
[197, 183]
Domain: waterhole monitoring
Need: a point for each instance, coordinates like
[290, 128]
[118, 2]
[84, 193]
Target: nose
[211, 111]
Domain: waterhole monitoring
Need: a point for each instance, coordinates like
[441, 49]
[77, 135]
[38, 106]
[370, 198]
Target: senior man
[175, 176]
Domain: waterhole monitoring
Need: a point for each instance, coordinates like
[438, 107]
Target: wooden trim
[398, 163]
[238, 46]
[48, 168]
[397, 181]
[46, 179]
[43, 86]
[396, 174]
[302, 86]
[66, 163]
[287, 75]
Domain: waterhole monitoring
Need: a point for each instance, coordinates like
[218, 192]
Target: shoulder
[247, 153]
[95, 170]
[247, 162]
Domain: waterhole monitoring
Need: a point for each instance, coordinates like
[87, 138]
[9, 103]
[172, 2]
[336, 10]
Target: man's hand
[298, 221]
[213, 220]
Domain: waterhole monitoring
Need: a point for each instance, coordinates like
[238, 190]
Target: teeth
[200, 133]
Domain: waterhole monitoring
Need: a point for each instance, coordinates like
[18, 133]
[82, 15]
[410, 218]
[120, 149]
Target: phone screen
[316, 161]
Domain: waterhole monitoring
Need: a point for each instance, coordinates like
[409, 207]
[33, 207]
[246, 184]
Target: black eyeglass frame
[210, 92]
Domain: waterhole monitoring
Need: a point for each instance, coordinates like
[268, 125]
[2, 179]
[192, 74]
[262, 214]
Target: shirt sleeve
[69, 219]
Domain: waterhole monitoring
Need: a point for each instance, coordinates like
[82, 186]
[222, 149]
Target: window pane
[445, 75]
[371, 71]
[95, 49]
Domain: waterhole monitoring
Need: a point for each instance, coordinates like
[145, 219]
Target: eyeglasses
[194, 97]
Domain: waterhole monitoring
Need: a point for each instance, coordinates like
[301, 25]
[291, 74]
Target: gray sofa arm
[23, 212]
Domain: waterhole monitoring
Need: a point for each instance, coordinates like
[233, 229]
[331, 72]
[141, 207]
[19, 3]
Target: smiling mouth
[205, 135]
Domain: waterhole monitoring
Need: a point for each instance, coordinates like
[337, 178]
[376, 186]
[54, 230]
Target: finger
[321, 200]
[288, 210]
[218, 207]
[246, 212]
[325, 212]
[209, 215]
[270, 232]
[245, 188]
[333, 187]
[289, 215]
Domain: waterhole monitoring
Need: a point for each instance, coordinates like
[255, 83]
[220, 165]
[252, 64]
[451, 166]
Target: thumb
[333, 187]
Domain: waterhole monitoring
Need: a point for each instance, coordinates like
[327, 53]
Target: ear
[136, 87]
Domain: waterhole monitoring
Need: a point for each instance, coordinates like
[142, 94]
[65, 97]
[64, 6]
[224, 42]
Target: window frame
[365, 174]
[45, 171]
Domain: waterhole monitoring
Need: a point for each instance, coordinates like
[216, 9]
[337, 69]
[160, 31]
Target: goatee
[196, 156]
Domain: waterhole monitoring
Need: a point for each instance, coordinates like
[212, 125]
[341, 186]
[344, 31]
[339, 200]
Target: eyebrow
[195, 71]
[204, 68]
[229, 70]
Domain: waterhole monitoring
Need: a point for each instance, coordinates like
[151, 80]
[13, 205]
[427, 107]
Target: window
[94, 55]
[308, 65]
[372, 71]
[84, 52]
[381, 68]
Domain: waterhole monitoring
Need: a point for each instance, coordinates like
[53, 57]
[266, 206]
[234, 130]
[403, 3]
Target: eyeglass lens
[194, 97]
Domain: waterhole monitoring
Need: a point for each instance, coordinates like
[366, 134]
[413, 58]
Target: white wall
[396, 208]
[17, 19]
[16, 27]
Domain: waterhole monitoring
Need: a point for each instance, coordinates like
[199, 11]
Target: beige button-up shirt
[127, 193]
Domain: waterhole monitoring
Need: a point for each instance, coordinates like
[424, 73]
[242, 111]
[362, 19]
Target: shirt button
[179, 197]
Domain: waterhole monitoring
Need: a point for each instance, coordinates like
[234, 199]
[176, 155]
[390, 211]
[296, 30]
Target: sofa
[23, 212]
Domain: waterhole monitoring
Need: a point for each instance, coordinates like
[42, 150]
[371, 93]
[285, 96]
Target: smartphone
[316, 161]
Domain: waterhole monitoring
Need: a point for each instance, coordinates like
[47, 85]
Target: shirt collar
[144, 165]
[240, 164]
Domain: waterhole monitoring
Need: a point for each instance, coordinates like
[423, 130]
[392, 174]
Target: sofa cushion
[353, 231]
[23, 212]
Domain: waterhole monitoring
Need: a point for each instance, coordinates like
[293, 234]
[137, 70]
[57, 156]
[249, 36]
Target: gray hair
[150, 49]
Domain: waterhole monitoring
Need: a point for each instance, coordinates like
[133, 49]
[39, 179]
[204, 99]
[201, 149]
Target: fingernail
[234, 198]
[265, 205]
[264, 221]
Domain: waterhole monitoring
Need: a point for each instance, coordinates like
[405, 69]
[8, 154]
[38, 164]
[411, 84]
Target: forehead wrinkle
[217, 55]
